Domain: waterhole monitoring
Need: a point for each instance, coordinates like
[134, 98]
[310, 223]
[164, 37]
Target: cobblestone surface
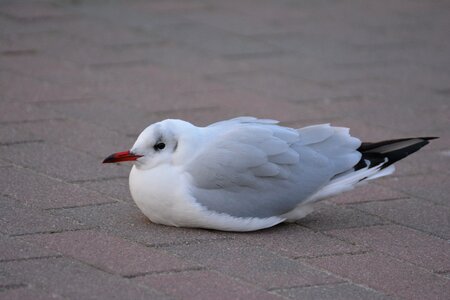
[80, 79]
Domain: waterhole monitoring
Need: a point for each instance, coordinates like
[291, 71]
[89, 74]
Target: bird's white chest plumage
[162, 194]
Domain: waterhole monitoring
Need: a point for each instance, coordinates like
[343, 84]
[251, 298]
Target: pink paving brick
[203, 285]
[407, 244]
[110, 253]
[386, 274]
[252, 264]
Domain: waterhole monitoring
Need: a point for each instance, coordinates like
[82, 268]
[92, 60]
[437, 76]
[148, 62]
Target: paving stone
[46, 68]
[366, 193]
[15, 248]
[27, 293]
[415, 213]
[39, 191]
[28, 11]
[203, 285]
[327, 217]
[386, 274]
[433, 188]
[128, 222]
[413, 246]
[296, 241]
[18, 112]
[61, 162]
[341, 291]
[110, 253]
[104, 33]
[10, 134]
[86, 282]
[116, 188]
[15, 219]
[252, 264]
[212, 40]
[58, 131]
[37, 90]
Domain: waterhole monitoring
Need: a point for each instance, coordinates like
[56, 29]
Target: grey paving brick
[86, 282]
[415, 213]
[116, 188]
[40, 191]
[327, 217]
[433, 188]
[61, 162]
[12, 112]
[413, 246]
[386, 274]
[203, 285]
[62, 132]
[16, 248]
[252, 264]
[125, 220]
[37, 90]
[342, 291]
[28, 11]
[367, 193]
[28, 293]
[15, 219]
[110, 253]
[295, 241]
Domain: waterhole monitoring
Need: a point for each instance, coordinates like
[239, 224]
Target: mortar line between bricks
[370, 201]
[30, 121]
[51, 231]
[79, 206]
[193, 242]
[97, 179]
[333, 254]
[173, 271]
[12, 286]
[21, 142]
[31, 258]
[306, 286]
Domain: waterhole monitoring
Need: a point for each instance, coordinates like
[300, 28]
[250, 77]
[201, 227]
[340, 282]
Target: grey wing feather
[258, 169]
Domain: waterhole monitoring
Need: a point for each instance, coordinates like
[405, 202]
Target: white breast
[162, 194]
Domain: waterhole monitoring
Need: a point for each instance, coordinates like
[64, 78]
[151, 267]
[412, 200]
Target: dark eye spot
[159, 146]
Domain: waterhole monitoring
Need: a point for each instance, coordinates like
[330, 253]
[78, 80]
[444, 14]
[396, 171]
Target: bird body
[246, 174]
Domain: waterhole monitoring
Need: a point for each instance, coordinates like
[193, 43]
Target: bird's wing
[253, 168]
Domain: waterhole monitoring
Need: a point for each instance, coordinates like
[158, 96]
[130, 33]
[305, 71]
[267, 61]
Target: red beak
[121, 156]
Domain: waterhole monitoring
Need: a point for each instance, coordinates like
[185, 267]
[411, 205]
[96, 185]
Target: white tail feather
[349, 181]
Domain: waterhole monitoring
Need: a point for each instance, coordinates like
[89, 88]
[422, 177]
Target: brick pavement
[80, 79]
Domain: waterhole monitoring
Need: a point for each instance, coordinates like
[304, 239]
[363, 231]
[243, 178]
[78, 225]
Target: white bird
[246, 174]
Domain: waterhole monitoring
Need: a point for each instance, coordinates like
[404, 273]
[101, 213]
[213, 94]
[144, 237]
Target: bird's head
[158, 144]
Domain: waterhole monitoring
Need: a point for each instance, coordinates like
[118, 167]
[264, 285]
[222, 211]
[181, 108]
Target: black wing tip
[429, 138]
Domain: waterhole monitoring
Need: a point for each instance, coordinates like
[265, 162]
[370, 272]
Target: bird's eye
[159, 146]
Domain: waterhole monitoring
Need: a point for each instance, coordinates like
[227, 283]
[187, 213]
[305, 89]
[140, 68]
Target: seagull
[246, 174]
